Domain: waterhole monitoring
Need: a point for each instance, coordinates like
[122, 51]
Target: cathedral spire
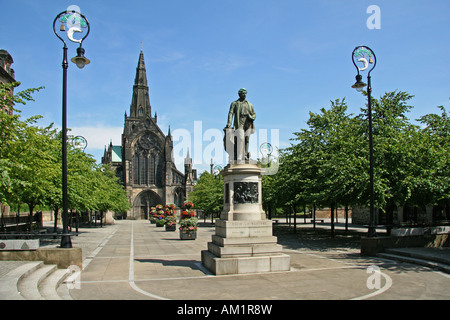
[140, 103]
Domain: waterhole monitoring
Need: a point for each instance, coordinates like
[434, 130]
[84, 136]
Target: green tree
[208, 193]
[16, 135]
[30, 165]
[431, 183]
[328, 164]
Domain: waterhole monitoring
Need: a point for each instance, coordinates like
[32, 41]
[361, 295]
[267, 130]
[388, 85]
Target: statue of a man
[240, 129]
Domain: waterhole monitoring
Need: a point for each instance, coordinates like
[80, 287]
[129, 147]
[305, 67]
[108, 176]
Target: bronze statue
[237, 132]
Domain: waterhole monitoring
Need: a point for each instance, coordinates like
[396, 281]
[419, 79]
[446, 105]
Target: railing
[20, 222]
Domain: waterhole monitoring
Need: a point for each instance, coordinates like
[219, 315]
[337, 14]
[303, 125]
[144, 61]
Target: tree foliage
[328, 162]
[31, 171]
[208, 193]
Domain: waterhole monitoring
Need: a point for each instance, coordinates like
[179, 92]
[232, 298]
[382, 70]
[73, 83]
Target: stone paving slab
[134, 260]
[144, 262]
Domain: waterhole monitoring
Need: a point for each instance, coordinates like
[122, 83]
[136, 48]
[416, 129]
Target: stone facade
[6, 76]
[144, 161]
[6, 72]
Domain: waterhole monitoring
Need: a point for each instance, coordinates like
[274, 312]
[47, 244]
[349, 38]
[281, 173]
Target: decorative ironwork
[79, 142]
[74, 21]
[366, 56]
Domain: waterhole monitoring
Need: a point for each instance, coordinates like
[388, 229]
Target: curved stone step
[426, 263]
[9, 283]
[49, 286]
[63, 292]
[29, 285]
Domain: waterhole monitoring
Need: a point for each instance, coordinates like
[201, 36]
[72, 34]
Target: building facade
[6, 72]
[144, 161]
[6, 76]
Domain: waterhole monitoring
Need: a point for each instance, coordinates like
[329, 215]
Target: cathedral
[144, 162]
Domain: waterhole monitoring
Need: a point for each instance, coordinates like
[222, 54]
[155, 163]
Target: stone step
[441, 255]
[9, 283]
[29, 285]
[426, 263]
[49, 287]
[63, 291]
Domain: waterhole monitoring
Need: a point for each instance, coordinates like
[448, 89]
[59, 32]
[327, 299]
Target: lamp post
[74, 21]
[266, 150]
[366, 56]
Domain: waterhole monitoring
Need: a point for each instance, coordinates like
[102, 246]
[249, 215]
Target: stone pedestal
[243, 242]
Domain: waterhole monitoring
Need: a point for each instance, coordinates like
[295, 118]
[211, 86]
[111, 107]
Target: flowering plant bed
[159, 216]
[169, 215]
[152, 215]
[188, 222]
[187, 205]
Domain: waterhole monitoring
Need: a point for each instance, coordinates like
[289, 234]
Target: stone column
[243, 242]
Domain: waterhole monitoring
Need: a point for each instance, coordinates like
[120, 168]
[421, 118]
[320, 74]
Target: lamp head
[80, 60]
[359, 84]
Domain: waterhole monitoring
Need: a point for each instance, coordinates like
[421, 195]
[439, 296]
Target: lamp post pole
[74, 21]
[362, 53]
[66, 242]
[371, 231]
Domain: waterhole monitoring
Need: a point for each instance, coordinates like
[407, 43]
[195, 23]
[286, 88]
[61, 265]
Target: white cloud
[98, 137]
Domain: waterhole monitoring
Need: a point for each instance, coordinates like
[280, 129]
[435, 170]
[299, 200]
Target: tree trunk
[30, 216]
[332, 220]
[346, 217]
[304, 213]
[295, 219]
[55, 225]
[314, 216]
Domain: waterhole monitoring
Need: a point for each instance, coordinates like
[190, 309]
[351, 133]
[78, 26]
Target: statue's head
[242, 93]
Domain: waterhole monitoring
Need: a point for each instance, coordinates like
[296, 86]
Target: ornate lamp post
[366, 56]
[266, 150]
[79, 142]
[74, 21]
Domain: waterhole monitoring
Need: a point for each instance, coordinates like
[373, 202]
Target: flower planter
[159, 223]
[171, 228]
[192, 235]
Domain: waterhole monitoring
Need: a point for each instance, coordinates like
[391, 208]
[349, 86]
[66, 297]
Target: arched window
[178, 198]
[136, 169]
[142, 170]
[152, 168]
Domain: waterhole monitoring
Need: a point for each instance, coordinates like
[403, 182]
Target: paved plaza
[135, 260]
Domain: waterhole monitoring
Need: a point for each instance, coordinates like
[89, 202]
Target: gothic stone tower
[147, 167]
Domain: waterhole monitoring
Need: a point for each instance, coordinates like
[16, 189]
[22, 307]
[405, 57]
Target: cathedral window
[142, 170]
[136, 169]
[152, 168]
[178, 198]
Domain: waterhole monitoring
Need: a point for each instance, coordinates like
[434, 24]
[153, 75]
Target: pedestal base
[242, 265]
[243, 242]
[244, 247]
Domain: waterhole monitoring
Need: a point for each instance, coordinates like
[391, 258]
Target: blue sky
[292, 56]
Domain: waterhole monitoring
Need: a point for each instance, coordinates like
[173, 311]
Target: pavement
[135, 260]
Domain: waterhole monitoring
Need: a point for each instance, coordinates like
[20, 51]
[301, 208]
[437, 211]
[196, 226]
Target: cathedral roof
[116, 154]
